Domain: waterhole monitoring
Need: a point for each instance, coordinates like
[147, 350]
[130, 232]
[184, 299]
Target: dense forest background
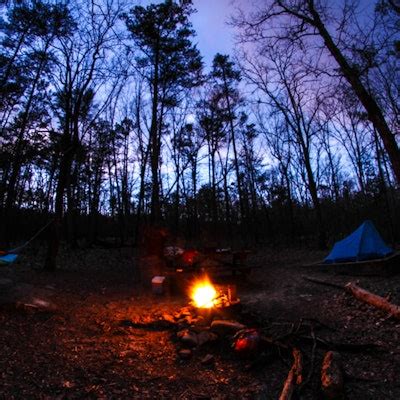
[110, 123]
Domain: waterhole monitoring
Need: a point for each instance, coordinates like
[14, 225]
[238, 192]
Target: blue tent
[8, 258]
[365, 243]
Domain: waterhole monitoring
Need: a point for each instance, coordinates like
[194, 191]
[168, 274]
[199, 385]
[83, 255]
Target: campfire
[204, 294]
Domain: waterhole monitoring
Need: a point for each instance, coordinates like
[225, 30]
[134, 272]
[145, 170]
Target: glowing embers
[204, 294]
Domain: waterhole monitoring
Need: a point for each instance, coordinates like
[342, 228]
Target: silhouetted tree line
[110, 122]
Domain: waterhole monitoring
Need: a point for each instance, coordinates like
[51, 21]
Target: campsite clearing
[76, 340]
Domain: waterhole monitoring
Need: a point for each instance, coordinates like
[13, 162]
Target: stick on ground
[373, 300]
[295, 376]
[332, 376]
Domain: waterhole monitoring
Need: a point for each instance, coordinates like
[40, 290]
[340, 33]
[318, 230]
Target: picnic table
[210, 260]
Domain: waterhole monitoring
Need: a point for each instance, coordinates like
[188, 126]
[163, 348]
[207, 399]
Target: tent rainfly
[365, 243]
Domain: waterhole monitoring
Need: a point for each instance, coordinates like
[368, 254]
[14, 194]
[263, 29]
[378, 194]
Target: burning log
[204, 294]
[331, 376]
[373, 300]
[210, 299]
[295, 376]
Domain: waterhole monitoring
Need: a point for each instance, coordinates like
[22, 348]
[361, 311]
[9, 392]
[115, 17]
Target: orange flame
[203, 293]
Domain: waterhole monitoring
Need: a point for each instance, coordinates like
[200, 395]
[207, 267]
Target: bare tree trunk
[55, 231]
[10, 65]
[228, 218]
[18, 156]
[384, 190]
[120, 213]
[375, 114]
[290, 204]
[144, 155]
[72, 201]
[214, 191]
[312, 187]
[141, 193]
[332, 168]
[155, 147]
[235, 154]
[195, 221]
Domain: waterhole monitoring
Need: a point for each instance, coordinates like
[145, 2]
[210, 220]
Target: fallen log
[362, 295]
[295, 376]
[373, 300]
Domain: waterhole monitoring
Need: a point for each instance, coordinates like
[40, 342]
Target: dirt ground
[96, 339]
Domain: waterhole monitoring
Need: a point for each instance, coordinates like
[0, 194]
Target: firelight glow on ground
[203, 294]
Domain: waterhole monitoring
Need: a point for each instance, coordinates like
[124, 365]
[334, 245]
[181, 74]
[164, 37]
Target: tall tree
[211, 120]
[76, 77]
[30, 32]
[162, 34]
[226, 78]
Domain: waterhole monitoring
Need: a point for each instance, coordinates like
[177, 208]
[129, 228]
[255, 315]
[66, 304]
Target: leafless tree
[329, 34]
[281, 82]
[81, 69]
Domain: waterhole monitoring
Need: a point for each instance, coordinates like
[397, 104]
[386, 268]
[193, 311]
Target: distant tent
[365, 243]
[8, 258]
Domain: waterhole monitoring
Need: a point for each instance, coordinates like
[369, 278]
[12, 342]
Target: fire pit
[212, 300]
[212, 316]
[204, 294]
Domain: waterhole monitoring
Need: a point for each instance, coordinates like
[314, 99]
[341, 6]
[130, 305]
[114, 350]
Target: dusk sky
[213, 35]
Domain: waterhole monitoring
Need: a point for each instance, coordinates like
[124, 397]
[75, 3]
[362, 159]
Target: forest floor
[80, 345]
